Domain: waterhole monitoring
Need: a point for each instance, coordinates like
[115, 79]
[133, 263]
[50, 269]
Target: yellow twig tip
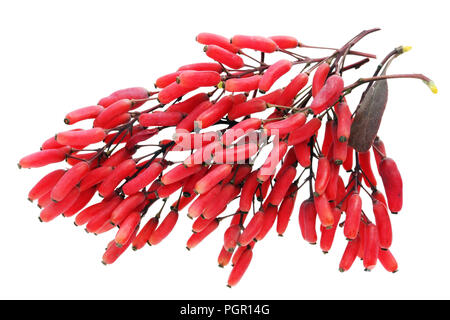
[406, 48]
[432, 86]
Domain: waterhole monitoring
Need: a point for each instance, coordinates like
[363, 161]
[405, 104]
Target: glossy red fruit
[272, 160]
[371, 247]
[128, 228]
[252, 229]
[248, 192]
[214, 113]
[207, 38]
[240, 267]
[247, 108]
[353, 216]
[138, 93]
[254, 42]
[192, 78]
[285, 126]
[161, 119]
[85, 113]
[187, 124]
[224, 257]
[289, 93]
[235, 154]
[320, 76]
[163, 230]
[167, 79]
[231, 237]
[324, 211]
[270, 215]
[113, 252]
[145, 233]
[81, 137]
[344, 117]
[383, 223]
[305, 132]
[43, 158]
[364, 162]
[224, 56]
[202, 66]
[126, 207]
[388, 261]
[198, 237]
[54, 209]
[273, 73]
[348, 163]
[212, 178]
[69, 180]
[189, 104]
[303, 154]
[122, 171]
[226, 195]
[328, 94]
[281, 186]
[286, 209]
[379, 151]
[199, 205]
[327, 236]
[117, 108]
[350, 254]
[307, 220]
[323, 175]
[243, 84]
[285, 42]
[102, 216]
[393, 184]
[173, 91]
[242, 128]
[165, 191]
[94, 177]
[82, 200]
[143, 179]
[45, 185]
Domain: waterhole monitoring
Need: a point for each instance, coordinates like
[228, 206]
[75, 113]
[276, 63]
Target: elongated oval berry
[94, 177]
[388, 261]
[116, 121]
[218, 40]
[383, 223]
[371, 247]
[240, 267]
[212, 178]
[145, 233]
[163, 230]
[203, 154]
[322, 176]
[348, 163]
[192, 78]
[350, 254]
[285, 126]
[69, 180]
[273, 73]
[235, 154]
[270, 215]
[112, 111]
[328, 95]
[162, 119]
[224, 56]
[307, 220]
[285, 211]
[86, 214]
[138, 93]
[247, 108]
[226, 195]
[303, 154]
[45, 185]
[320, 76]
[252, 229]
[274, 157]
[214, 113]
[242, 84]
[324, 211]
[198, 237]
[143, 179]
[224, 257]
[332, 187]
[327, 237]
[122, 171]
[281, 186]
[344, 117]
[80, 114]
[285, 42]
[167, 79]
[254, 42]
[82, 200]
[304, 132]
[173, 91]
[81, 137]
[43, 158]
[102, 216]
[202, 66]
[189, 104]
[242, 128]
[113, 252]
[289, 93]
[353, 216]
[393, 184]
[248, 192]
[179, 173]
[188, 187]
[127, 228]
[366, 168]
[187, 124]
[231, 237]
[379, 151]
[166, 190]
[54, 209]
[126, 207]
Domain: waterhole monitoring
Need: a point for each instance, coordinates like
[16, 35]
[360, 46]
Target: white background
[59, 55]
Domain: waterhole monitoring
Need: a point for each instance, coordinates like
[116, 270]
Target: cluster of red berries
[223, 131]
